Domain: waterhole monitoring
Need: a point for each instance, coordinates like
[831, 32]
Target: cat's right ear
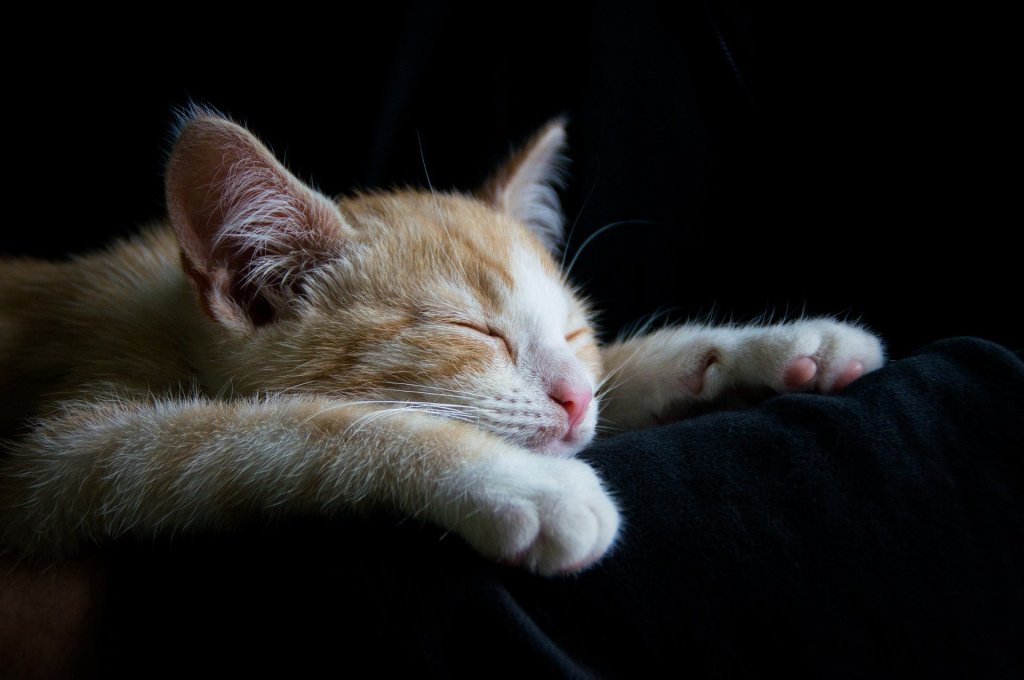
[249, 230]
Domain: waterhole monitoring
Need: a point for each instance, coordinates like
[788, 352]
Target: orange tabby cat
[272, 351]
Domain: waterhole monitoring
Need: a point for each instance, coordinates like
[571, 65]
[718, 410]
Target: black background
[858, 164]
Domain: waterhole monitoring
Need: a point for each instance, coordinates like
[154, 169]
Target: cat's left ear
[525, 186]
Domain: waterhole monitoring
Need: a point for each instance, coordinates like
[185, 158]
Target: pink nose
[574, 398]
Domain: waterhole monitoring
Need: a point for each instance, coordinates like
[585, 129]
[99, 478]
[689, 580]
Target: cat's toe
[853, 370]
[822, 355]
[578, 524]
[551, 516]
[846, 353]
[575, 533]
[799, 373]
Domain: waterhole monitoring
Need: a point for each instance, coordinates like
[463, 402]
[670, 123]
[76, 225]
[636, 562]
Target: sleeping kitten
[271, 351]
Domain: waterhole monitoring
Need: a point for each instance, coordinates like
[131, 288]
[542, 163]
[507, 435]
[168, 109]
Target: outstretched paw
[826, 356]
[676, 372]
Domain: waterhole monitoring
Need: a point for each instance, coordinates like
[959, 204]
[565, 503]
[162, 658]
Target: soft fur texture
[271, 351]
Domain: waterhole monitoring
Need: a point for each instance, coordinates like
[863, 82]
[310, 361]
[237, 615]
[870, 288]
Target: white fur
[552, 515]
[268, 212]
[270, 458]
[122, 452]
[541, 302]
[542, 312]
[531, 195]
[660, 375]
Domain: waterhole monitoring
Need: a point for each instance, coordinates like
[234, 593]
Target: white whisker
[597, 233]
[440, 213]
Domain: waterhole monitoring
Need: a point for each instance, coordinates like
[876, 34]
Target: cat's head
[449, 303]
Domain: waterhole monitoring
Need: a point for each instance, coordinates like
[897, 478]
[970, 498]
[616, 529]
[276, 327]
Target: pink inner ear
[524, 187]
[222, 183]
[248, 228]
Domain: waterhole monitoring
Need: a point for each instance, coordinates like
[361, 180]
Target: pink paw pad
[800, 372]
[853, 370]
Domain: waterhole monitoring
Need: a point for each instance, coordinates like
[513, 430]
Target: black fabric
[875, 533]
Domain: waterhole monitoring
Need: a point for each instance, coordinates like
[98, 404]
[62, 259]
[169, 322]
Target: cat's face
[440, 302]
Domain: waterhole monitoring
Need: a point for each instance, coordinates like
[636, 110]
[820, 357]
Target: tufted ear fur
[249, 230]
[525, 186]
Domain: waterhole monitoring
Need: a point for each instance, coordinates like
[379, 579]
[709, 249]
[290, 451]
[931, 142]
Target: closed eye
[488, 331]
[575, 334]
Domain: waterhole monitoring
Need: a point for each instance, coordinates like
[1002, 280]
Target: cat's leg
[103, 471]
[669, 373]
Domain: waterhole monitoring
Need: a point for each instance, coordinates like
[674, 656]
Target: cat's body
[272, 352]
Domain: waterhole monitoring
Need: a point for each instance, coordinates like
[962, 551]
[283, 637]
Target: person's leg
[878, 530]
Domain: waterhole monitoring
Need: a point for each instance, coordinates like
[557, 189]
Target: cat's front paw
[824, 355]
[552, 516]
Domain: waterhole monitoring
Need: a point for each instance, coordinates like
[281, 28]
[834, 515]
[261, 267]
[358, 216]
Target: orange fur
[270, 351]
[269, 348]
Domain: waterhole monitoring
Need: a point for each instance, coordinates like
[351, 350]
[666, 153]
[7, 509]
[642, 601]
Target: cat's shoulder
[152, 253]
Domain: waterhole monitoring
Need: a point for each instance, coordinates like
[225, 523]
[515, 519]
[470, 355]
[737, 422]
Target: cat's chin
[566, 447]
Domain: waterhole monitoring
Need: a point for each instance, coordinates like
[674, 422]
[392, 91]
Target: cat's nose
[574, 398]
